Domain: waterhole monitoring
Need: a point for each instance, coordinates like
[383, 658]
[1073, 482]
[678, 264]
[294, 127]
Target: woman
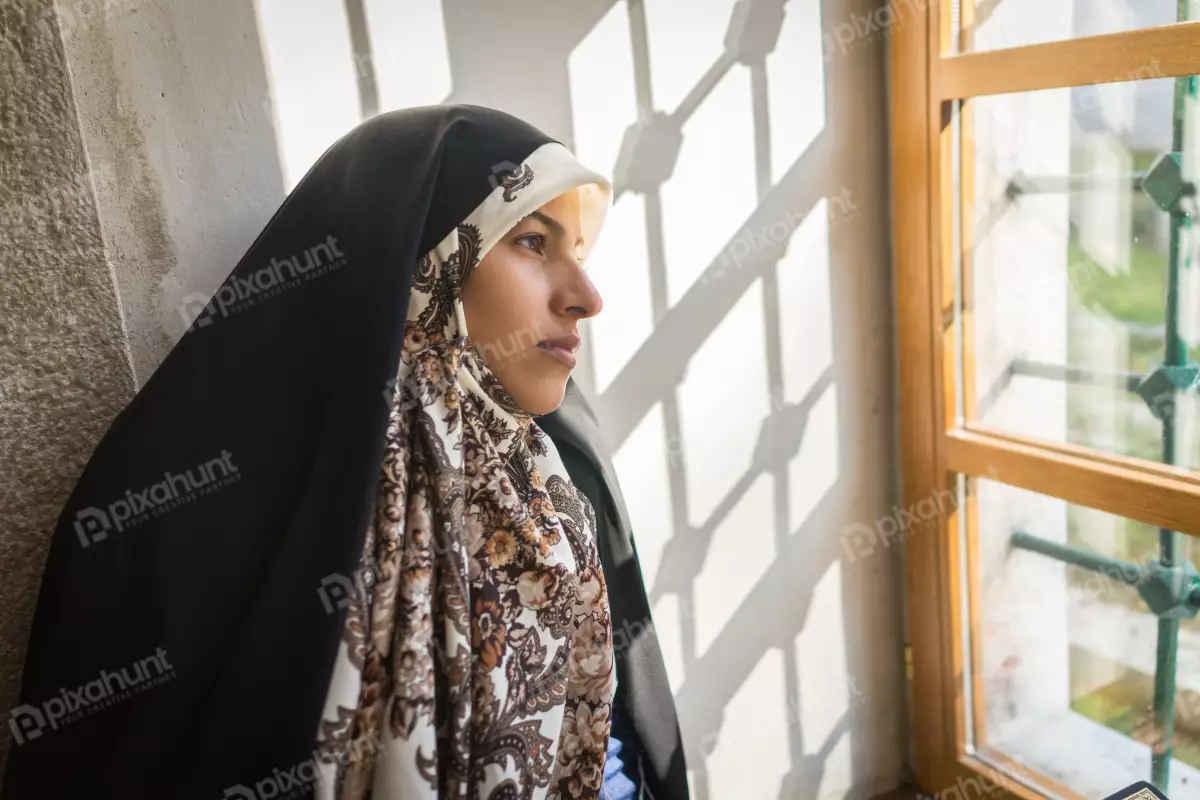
[271, 583]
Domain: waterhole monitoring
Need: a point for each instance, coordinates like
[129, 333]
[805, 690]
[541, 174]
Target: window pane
[1013, 23]
[1065, 658]
[1083, 277]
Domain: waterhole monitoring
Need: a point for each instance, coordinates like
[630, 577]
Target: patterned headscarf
[476, 660]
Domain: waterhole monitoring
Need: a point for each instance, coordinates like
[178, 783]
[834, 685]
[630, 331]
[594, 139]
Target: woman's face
[525, 299]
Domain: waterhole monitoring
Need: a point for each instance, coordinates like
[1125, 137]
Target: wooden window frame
[925, 78]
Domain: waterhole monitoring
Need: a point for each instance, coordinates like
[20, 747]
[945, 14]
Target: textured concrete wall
[64, 368]
[139, 162]
[176, 117]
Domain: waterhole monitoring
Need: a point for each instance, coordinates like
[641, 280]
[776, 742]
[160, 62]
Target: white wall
[746, 395]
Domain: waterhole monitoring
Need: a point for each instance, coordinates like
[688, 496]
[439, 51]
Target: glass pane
[1083, 281]
[995, 24]
[1065, 658]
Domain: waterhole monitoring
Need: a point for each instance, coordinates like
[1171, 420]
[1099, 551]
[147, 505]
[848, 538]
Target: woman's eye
[538, 242]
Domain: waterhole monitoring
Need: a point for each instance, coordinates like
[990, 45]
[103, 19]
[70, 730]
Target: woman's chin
[543, 398]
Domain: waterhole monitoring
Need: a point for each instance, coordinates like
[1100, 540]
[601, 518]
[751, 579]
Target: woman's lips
[561, 353]
[563, 348]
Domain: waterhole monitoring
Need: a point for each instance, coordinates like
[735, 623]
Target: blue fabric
[617, 785]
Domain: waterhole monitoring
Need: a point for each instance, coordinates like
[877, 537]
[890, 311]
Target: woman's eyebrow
[551, 223]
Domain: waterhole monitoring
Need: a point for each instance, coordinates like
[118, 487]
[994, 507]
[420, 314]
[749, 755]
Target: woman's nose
[581, 297]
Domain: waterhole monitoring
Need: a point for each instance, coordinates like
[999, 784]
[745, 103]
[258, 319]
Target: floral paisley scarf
[477, 658]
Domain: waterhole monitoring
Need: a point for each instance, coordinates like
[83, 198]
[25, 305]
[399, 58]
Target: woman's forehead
[565, 208]
[576, 215]
[563, 214]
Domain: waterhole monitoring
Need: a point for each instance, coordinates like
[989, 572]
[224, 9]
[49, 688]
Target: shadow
[779, 440]
[775, 610]
[757, 626]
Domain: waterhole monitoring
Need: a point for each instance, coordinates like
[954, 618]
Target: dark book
[1141, 790]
